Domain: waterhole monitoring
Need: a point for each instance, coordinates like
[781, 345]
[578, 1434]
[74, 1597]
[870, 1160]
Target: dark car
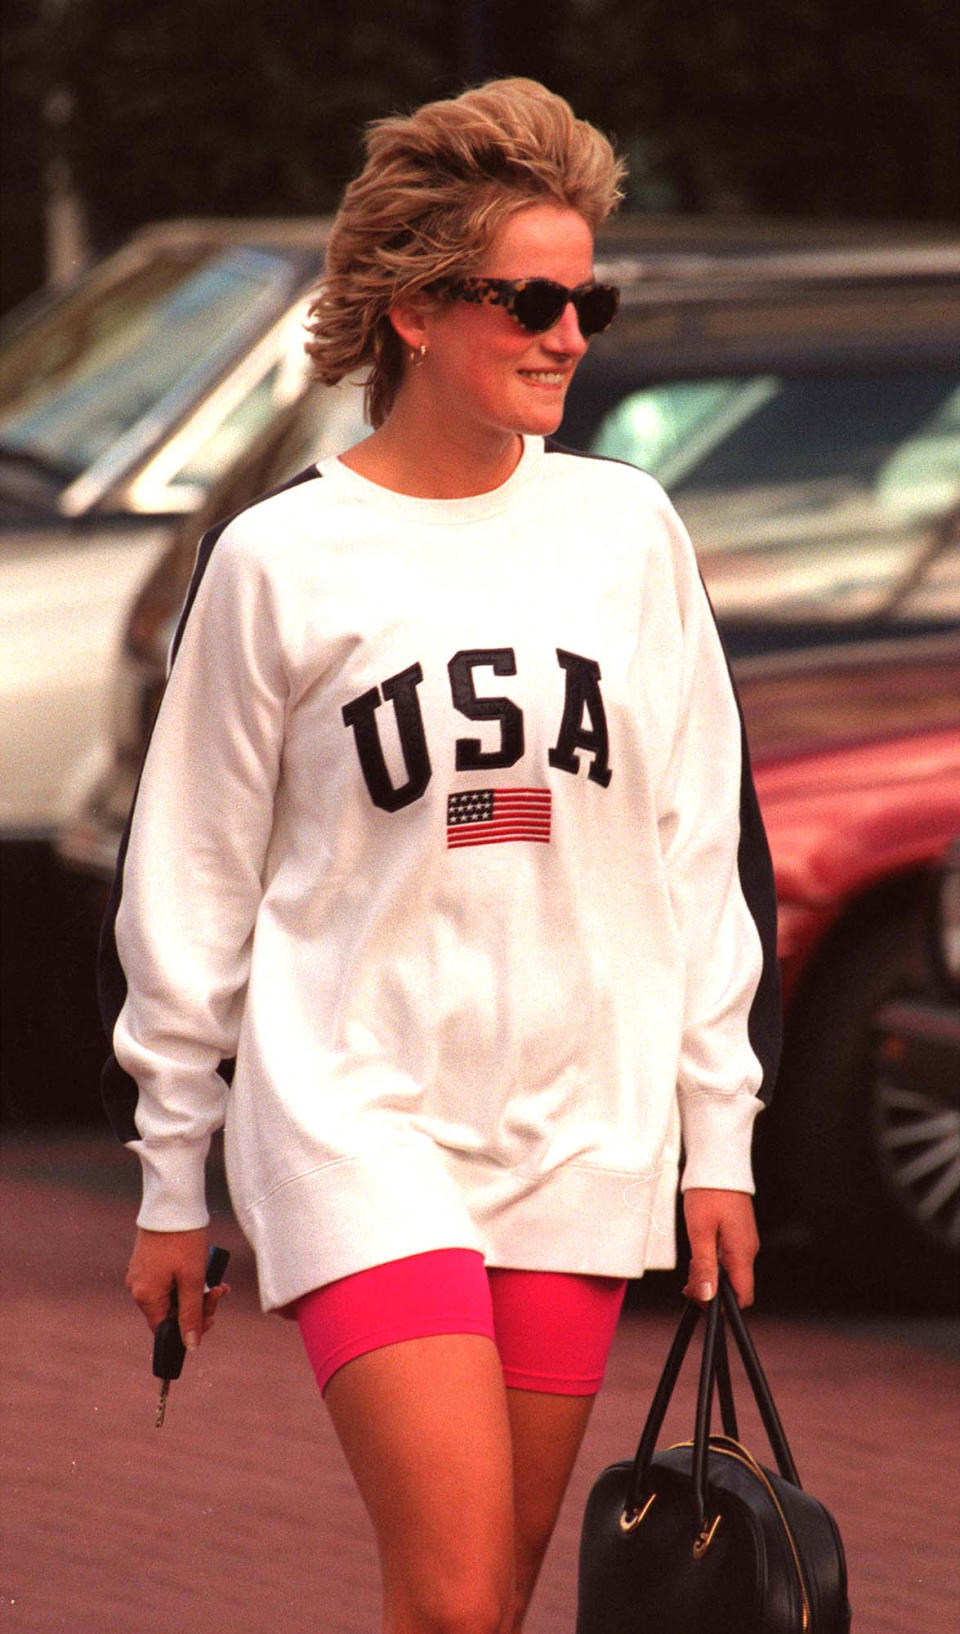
[798, 394]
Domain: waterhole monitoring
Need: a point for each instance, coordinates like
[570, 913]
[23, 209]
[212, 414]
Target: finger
[739, 1268]
[739, 1245]
[154, 1309]
[211, 1300]
[152, 1299]
[703, 1274]
[190, 1311]
[701, 1285]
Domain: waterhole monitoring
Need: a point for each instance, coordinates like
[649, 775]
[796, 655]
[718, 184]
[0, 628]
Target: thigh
[546, 1432]
[554, 1333]
[424, 1427]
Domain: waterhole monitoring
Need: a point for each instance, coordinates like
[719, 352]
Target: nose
[565, 335]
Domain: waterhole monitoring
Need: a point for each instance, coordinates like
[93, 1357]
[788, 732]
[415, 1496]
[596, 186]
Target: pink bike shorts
[553, 1329]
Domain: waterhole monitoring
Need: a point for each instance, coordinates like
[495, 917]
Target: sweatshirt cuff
[717, 1131]
[174, 1185]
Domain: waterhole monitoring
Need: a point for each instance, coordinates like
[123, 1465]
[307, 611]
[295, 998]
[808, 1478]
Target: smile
[543, 377]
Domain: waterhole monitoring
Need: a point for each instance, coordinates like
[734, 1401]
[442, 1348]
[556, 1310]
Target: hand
[721, 1227]
[163, 1260]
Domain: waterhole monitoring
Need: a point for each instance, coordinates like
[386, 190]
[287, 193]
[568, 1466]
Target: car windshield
[107, 361]
[818, 504]
[812, 499]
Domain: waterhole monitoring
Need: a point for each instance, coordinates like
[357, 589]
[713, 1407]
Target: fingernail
[705, 1290]
[192, 1341]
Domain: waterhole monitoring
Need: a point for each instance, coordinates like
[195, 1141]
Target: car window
[97, 369]
[811, 498]
[48, 351]
[227, 439]
[210, 444]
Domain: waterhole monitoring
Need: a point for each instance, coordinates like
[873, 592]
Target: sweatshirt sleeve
[175, 950]
[724, 902]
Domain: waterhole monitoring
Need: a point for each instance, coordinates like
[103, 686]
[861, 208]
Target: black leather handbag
[700, 1539]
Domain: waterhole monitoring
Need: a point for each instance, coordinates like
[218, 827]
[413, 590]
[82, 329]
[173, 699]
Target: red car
[800, 400]
[860, 791]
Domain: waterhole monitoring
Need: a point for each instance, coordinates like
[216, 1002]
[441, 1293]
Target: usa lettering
[582, 729]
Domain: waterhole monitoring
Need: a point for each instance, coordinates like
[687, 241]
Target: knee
[470, 1606]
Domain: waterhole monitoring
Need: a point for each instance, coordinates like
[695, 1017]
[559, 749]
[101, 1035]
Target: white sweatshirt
[447, 834]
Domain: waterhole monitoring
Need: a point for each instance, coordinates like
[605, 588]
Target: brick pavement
[239, 1516]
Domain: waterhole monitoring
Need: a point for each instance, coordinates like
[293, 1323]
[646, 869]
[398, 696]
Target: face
[484, 371]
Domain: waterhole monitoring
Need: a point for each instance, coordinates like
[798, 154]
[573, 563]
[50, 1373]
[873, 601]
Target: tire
[850, 1182]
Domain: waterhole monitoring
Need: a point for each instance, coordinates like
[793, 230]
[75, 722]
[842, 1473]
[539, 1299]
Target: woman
[446, 833]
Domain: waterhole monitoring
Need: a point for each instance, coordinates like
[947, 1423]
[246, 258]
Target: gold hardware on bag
[734, 1449]
[706, 1538]
[630, 1519]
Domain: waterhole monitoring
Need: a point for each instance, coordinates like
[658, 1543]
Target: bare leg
[424, 1427]
[546, 1431]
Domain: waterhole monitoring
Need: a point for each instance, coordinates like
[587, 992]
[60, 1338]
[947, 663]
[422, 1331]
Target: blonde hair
[437, 185]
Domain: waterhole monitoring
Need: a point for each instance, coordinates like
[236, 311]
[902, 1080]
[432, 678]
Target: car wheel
[877, 1165]
[917, 1119]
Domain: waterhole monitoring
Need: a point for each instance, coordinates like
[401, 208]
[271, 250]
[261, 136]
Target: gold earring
[418, 354]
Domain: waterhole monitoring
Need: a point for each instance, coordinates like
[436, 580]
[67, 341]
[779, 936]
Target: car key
[169, 1349]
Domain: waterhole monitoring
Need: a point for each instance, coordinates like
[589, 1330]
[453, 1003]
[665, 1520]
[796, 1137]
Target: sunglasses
[538, 303]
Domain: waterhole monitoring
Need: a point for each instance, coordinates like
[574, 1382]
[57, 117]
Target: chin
[540, 423]
[547, 426]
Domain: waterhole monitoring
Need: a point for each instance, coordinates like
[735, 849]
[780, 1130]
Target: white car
[121, 403]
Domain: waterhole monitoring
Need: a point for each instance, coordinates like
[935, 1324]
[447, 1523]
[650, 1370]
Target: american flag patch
[492, 816]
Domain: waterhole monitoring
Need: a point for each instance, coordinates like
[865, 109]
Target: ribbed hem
[591, 1221]
[173, 1184]
[415, 1196]
[350, 1215]
[717, 1131]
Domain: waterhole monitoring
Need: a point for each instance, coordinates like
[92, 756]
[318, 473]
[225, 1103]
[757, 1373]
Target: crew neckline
[471, 509]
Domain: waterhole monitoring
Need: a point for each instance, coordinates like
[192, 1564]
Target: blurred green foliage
[810, 107]
[220, 108]
[22, 81]
[798, 107]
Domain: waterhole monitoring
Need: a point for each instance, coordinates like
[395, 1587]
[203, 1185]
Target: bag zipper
[733, 1449]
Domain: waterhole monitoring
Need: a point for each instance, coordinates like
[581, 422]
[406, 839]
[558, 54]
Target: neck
[452, 462]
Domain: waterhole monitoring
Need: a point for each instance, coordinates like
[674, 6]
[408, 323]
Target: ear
[409, 319]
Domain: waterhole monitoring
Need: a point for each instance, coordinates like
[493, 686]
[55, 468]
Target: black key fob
[169, 1349]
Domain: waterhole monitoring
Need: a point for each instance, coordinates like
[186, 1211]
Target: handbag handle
[639, 1489]
[713, 1368]
[762, 1394]
[728, 1411]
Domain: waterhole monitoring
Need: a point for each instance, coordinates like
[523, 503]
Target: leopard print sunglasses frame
[538, 303]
